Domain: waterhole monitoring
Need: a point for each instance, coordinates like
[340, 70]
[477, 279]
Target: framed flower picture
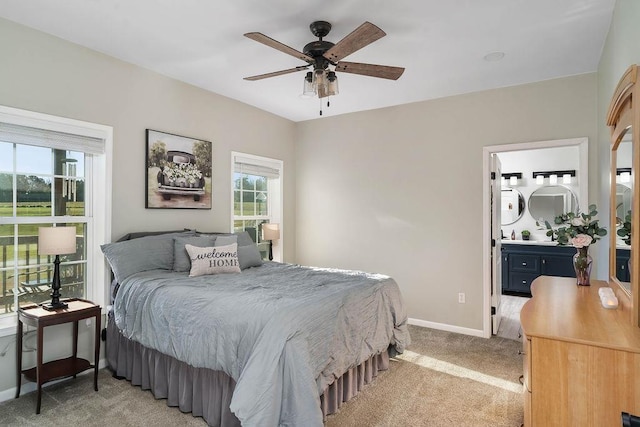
[178, 172]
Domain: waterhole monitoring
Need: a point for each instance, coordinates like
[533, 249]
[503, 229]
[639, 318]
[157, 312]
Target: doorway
[489, 308]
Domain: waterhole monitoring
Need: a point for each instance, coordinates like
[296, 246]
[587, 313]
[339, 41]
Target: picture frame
[178, 171]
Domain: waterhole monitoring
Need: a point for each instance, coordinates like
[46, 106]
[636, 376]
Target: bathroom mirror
[546, 203]
[623, 118]
[623, 200]
[512, 204]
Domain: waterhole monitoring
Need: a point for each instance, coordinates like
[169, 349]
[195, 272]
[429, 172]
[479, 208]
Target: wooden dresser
[581, 361]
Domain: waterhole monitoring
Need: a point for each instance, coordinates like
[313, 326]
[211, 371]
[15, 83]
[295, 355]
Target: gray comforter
[282, 332]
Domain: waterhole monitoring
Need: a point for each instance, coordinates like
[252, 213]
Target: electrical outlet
[461, 298]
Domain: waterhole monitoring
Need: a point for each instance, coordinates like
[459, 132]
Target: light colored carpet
[444, 379]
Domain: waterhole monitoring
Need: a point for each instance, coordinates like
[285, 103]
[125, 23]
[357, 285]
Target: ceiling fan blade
[372, 70]
[261, 38]
[277, 73]
[365, 34]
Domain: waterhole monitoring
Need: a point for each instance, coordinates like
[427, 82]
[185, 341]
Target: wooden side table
[36, 316]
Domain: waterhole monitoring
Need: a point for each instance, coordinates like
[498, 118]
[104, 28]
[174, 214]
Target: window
[51, 173]
[257, 198]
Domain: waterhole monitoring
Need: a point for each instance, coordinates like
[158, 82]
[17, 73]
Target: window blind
[19, 134]
[256, 167]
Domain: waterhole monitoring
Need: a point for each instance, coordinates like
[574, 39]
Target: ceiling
[441, 43]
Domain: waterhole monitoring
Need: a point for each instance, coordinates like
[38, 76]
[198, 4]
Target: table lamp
[270, 232]
[56, 241]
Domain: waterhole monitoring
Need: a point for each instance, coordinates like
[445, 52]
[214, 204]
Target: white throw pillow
[213, 260]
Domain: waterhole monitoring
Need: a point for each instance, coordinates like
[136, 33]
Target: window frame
[275, 189]
[99, 211]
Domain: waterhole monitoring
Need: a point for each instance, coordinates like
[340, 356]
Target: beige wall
[46, 74]
[399, 190]
[620, 51]
[49, 75]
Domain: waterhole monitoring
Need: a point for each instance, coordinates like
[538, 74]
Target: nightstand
[37, 317]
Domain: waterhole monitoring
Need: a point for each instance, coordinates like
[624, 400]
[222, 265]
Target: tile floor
[510, 324]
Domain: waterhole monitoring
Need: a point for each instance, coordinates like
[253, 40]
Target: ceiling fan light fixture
[319, 81]
[308, 90]
[332, 85]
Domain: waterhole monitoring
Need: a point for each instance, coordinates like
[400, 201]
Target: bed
[265, 344]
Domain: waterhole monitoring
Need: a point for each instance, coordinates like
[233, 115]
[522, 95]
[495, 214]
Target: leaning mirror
[623, 119]
[546, 203]
[622, 202]
[512, 203]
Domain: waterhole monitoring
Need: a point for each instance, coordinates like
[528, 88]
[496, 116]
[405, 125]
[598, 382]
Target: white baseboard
[28, 386]
[445, 327]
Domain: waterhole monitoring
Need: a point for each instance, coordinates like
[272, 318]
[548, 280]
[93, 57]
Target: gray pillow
[146, 253]
[226, 240]
[181, 261]
[249, 256]
[244, 239]
[248, 253]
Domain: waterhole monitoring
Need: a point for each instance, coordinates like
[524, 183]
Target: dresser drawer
[521, 282]
[525, 263]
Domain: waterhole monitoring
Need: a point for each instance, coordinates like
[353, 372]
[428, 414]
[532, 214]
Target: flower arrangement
[187, 171]
[625, 229]
[577, 229]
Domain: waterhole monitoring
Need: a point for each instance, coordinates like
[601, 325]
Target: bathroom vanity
[523, 261]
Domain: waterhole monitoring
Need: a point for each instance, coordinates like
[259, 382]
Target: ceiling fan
[326, 58]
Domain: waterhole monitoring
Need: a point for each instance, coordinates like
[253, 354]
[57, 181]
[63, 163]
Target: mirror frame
[622, 116]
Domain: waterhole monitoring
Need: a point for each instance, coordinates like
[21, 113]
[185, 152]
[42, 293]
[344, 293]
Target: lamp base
[54, 306]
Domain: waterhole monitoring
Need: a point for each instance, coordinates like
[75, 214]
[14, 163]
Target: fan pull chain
[328, 104]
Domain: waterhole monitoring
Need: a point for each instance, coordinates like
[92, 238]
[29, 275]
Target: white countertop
[548, 243]
[529, 242]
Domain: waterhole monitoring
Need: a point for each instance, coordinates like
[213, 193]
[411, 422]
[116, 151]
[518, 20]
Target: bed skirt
[207, 393]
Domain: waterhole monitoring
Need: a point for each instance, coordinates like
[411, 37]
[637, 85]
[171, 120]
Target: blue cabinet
[622, 265]
[521, 264]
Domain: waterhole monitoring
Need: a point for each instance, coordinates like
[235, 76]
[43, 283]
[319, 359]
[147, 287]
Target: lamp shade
[56, 240]
[270, 231]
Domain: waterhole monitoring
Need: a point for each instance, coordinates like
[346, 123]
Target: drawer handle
[524, 282]
[521, 353]
[521, 379]
[524, 263]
